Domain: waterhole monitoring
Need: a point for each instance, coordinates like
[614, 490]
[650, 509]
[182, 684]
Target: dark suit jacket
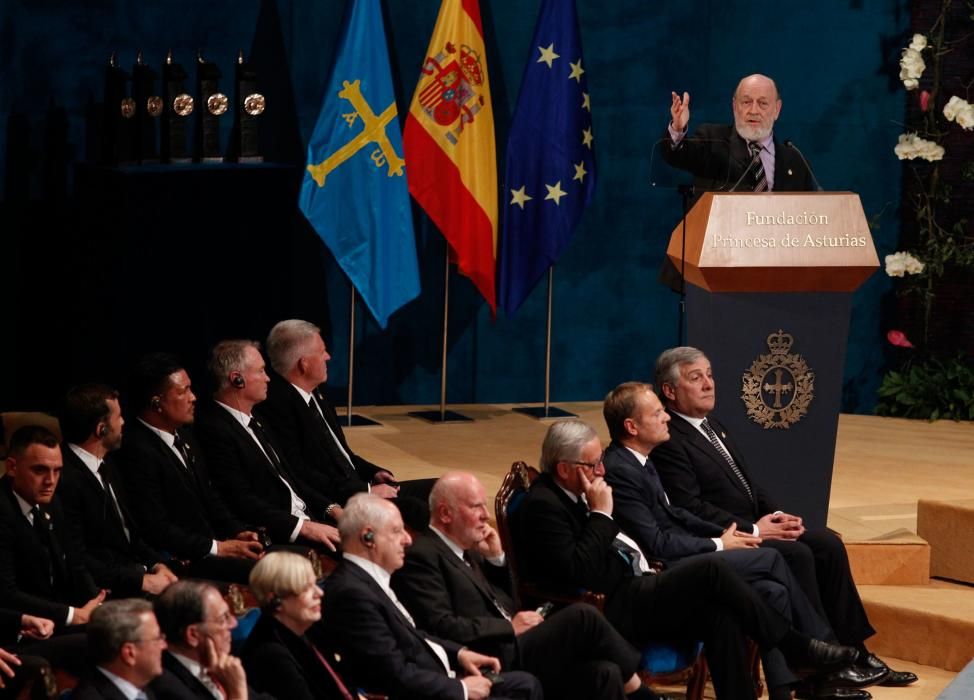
[561, 548]
[246, 478]
[92, 523]
[717, 157]
[97, 687]
[178, 512]
[380, 650]
[446, 597]
[9, 626]
[279, 661]
[661, 530]
[307, 443]
[177, 683]
[25, 583]
[697, 478]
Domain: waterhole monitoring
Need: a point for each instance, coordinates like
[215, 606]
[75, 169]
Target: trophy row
[144, 126]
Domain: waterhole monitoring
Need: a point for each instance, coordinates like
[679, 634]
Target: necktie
[315, 407]
[110, 496]
[212, 685]
[479, 574]
[712, 436]
[760, 178]
[630, 555]
[183, 450]
[265, 445]
[42, 526]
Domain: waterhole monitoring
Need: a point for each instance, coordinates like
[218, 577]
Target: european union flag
[550, 161]
[354, 192]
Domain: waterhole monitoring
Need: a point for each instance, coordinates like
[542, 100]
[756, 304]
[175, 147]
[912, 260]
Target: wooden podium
[770, 279]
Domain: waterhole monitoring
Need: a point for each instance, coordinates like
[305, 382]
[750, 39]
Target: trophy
[119, 111]
[177, 105]
[148, 109]
[250, 105]
[213, 105]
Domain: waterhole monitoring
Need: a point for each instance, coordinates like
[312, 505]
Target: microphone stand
[686, 191]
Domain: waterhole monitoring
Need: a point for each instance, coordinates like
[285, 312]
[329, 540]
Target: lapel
[99, 493]
[168, 457]
[182, 674]
[245, 440]
[55, 556]
[331, 418]
[578, 517]
[697, 443]
[363, 577]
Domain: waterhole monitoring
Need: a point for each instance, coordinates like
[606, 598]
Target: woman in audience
[278, 657]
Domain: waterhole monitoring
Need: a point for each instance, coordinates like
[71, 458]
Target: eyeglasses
[158, 640]
[224, 619]
[590, 465]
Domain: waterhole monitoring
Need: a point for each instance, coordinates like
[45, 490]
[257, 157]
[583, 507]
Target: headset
[237, 380]
[101, 431]
[368, 538]
[155, 403]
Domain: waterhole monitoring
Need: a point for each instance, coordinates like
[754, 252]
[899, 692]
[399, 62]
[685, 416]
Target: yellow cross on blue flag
[354, 191]
[550, 172]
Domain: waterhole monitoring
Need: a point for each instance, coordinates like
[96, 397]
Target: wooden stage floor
[882, 466]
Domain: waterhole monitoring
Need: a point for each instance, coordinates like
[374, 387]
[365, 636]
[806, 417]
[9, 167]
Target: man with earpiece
[381, 648]
[246, 460]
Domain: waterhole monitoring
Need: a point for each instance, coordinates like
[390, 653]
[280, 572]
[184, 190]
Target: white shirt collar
[304, 394]
[25, 507]
[127, 689]
[192, 665]
[167, 438]
[454, 547]
[379, 575]
[695, 422]
[240, 416]
[87, 458]
[572, 496]
[639, 455]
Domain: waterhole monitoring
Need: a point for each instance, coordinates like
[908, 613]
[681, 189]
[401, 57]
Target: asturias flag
[354, 192]
[550, 161]
[449, 139]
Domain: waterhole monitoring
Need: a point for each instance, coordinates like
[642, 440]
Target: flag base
[542, 413]
[356, 420]
[441, 416]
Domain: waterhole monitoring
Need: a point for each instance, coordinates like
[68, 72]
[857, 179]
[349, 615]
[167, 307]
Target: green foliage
[930, 389]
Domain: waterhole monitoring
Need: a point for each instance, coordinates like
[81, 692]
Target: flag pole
[353, 419]
[546, 411]
[443, 415]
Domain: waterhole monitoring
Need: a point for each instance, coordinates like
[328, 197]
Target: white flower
[911, 68]
[953, 106]
[965, 117]
[900, 264]
[911, 146]
[919, 42]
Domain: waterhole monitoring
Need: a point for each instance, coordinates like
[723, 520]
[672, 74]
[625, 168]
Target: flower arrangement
[925, 385]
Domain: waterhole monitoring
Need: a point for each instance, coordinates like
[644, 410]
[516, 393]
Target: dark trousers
[821, 565]
[578, 655]
[702, 599]
[517, 685]
[226, 569]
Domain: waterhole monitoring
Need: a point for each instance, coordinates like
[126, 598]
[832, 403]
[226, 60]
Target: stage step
[948, 526]
[898, 558]
[931, 625]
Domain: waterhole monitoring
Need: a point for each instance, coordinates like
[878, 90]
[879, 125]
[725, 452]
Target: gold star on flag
[555, 192]
[586, 103]
[548, 55]
[580, 172]
[576, 71]
[587, 138]
[519, 197]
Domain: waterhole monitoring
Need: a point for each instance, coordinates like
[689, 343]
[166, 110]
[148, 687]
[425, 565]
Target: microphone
[754, 159]
[790, 144]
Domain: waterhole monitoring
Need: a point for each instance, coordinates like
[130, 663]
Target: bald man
[743, 157]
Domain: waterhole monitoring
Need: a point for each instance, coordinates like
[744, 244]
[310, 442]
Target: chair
[661, 664]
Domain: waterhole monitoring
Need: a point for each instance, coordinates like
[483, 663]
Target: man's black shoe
[821, 657]
[806, 693]
[894, 679]
[850, 677]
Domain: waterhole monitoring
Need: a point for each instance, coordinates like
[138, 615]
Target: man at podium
[744, 157]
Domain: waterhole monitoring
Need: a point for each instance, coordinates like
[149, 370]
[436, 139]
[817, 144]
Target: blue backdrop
[835, 63]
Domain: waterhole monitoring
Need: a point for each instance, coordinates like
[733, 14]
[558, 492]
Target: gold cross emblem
[374, 131]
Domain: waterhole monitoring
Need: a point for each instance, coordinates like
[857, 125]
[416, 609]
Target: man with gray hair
[298, 412]
[568, 539]
[706, 473]
[382, 649]
[126, 645]
[741, 157]
[246, 459]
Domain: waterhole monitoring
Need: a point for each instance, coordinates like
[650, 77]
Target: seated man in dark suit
[705, 473]
[744, 157]
[40, 572]
[456, 584]
[164, 472]
[298, 412]
[198, 664]
[126, 645]
[97, 515]
[568, 539]
[247, 462]
[381, 648]
[637, 423]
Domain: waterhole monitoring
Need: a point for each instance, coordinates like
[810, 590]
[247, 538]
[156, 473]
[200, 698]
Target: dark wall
[835, 63]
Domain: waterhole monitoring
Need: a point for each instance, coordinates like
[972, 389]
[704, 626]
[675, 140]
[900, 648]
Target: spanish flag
[449, 143]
